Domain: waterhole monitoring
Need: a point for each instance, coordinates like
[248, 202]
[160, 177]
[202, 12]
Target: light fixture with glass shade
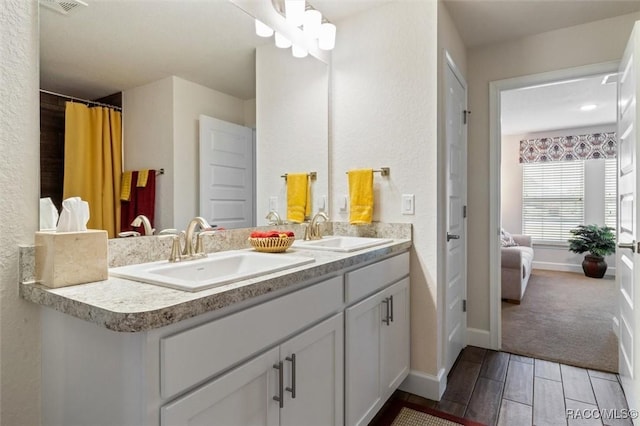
[263, 30]
[327, 38]
[294, 11]
[282, 42]
[298, 52]
[304, 17]
[312, 23]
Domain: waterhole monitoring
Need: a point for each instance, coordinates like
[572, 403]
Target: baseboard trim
[616, 326]
[425, 385]
[566, 267]
[479, 338]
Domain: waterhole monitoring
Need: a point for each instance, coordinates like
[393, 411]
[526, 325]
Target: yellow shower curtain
[93, 162]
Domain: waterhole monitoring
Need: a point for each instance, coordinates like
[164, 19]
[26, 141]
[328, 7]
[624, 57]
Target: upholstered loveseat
[516, 268]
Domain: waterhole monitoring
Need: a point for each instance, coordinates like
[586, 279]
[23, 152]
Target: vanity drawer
[190, 357]
[368, 280]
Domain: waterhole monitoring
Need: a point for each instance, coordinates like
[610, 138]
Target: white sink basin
[215, 270]
[341, 244]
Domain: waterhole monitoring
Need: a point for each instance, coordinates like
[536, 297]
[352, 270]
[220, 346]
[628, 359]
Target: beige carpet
[564, 317]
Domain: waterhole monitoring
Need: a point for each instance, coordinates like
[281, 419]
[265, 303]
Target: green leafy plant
[597, 240]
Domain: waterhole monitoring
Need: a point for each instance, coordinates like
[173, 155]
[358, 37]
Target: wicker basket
[271, 245]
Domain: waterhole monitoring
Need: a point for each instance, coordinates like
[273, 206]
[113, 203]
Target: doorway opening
[549, 178]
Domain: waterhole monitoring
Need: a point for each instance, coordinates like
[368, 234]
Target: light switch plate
[408, 204]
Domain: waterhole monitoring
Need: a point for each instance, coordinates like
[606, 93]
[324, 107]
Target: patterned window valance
[567, 148]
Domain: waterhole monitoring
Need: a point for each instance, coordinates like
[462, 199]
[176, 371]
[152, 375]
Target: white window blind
[610, 192]
[552, 199]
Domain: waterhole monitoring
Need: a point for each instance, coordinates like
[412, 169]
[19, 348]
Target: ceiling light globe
[263, 30]
[327, 39]
[282, 42]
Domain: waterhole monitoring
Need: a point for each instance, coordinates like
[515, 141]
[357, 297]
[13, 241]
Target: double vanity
[316, 335]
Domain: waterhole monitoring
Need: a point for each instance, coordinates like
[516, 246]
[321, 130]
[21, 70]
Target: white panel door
[314, 386]
[627, 274]
[456, 167]
[241, 397]
[226, 173]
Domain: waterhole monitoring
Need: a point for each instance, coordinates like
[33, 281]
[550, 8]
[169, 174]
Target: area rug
[403, 413]
[564, 317]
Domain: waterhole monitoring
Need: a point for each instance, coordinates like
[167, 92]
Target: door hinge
[465, 114]
[464, 305]
[464, 211]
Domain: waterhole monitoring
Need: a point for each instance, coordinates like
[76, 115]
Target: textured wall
[384, 115]
[19, 189]
[591, 43]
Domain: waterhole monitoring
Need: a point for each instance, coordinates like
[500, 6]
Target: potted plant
[599, 241]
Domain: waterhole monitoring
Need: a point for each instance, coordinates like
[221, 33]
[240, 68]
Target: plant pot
[594, 266]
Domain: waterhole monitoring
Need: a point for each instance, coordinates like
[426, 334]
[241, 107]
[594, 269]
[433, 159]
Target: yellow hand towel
[125, 186]
[143, 177]
[297, 196]
[360, 196]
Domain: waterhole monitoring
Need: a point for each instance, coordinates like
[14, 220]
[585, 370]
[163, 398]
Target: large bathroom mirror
[173, 61]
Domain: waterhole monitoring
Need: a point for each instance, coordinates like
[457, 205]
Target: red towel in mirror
[141, 201]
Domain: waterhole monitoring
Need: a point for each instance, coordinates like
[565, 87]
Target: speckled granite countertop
[130, 306]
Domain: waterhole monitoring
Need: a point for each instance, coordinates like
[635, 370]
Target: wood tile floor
[497, 388]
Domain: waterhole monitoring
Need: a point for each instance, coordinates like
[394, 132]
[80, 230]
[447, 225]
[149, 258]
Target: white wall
[19, 190]
[292, 110]
[384, 113]
[551, 256]
[147, 123]
[591, 43]
[189, 101]
[161, 131]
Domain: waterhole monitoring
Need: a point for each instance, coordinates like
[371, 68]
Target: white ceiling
[483, 22]
[556, 106]
[114, 45]
[111, 45]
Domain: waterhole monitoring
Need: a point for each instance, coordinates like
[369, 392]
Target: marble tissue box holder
[69, 258]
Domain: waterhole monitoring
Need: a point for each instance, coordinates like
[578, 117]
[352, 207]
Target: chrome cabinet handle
[386, 305]
[452, 237]
[391, 303]
[631, 245]
[280, 396]
[292, 389]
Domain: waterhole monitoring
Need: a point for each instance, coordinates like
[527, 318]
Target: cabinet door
[242, 397]
[314, 363]
[362, 360]
[394, 338]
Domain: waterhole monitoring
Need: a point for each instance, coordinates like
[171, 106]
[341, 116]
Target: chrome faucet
[312, 232]
[274, 218]
[192, 250]
[142, 220]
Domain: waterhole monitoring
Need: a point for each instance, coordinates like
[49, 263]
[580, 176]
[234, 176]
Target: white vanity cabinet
[377, 340]
[340, 343]
[304, 374]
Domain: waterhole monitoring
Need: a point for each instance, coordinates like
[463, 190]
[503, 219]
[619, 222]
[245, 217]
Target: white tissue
[48, 214]
[74, 215]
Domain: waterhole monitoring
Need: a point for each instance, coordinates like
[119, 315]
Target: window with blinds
[552, 199]
[610, 192]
